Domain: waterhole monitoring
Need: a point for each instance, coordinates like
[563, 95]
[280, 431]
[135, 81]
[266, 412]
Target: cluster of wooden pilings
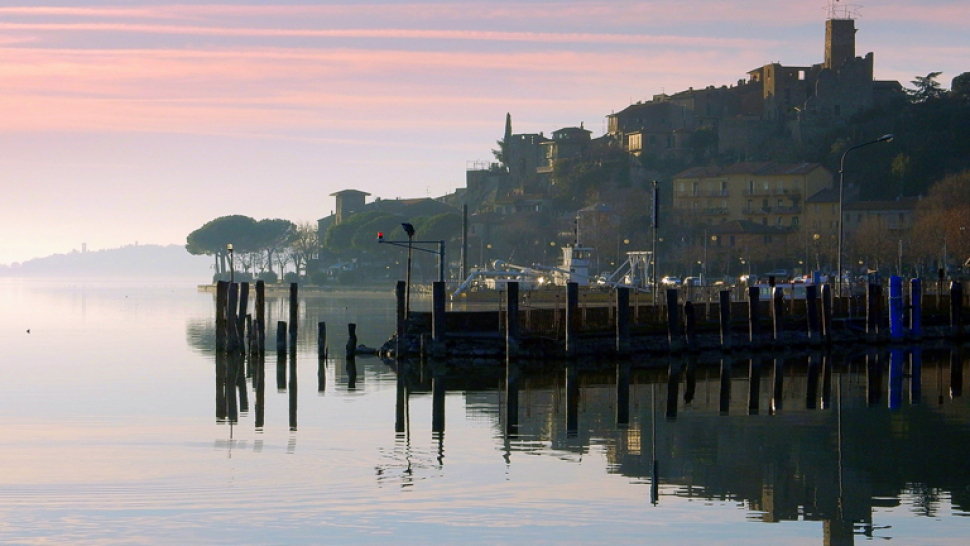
[770, 323]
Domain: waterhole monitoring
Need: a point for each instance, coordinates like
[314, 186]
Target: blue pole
[916, 311]
[896, 308]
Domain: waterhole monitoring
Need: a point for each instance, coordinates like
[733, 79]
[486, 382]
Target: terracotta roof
[828, 195]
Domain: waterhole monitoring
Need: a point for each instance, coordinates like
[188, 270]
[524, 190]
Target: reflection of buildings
[809, 439]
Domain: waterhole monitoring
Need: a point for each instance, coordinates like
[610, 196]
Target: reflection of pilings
[281, 337]
[896, 357]
[322, 340]
[915, 375]
[401, 403]
[754, 316]
[827, 362]
[812, 306]
[673, 389]
[351, 373]
[292, 389]
[827, 314]
[623, 321]
[281, 372]
[811, 392]
[221, 403]
[622, 394]
[232, 374]
[873, 379]
[259, 385]
[725, 318]
[754, 386]
[956, 372]
[351, 347]
[691, 379]
[724, 401]
[690, 323]
[294, 314]
[674, 327]
[511, 397]
[438, 382]
[241, 384]
[956, 310]
[572, 400]
[572, 317]
[321, 374]
[778, 385]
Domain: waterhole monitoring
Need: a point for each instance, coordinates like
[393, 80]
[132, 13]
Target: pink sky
[141, 121]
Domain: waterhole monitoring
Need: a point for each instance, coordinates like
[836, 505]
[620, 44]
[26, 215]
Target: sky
[138, 122]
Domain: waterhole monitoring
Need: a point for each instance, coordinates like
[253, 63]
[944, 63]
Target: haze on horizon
[141, 121]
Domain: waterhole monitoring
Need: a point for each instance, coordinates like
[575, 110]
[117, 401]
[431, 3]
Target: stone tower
[839, 42]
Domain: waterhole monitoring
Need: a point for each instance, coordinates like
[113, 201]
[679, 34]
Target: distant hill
[133, 261]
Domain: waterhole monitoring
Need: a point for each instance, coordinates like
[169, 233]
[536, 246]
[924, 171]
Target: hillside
[133, 261]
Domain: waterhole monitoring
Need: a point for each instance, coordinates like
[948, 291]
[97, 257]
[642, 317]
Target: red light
[380, 235]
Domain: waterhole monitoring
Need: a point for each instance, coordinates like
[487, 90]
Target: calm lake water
[117, 428]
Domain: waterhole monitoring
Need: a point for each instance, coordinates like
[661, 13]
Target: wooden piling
[724, 396]
[232, 324]
[260, 309]
[754, 316]
[572, 318]
[622, 321]
[675, 333]
[777, 313]
[351, 340]
[241, 316]
[916, 309]
[690, 321]
[724, 314]
[827, 314]
[281, 337]
[322, 339]
[811, 306]
[222, 296]
[294, 314]
[956, 310]
[512, 320]
[438, 300]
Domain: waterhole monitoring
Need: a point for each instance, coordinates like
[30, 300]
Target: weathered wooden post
[294, 314]
[827, 314]
[438, 299]
[261, 317]
[777, 313]
[725, 319]
[778, 386]
[250, 335]
[754, 386]
[754, 316]
[690, 321]
[622, 321]
[322, 339]
[399, 294]
[232, 323]
[956, 310]
[572, 318]
[512, 320]
[241, 316]
[896, 329]
[675, 333]
[916, 309]
[222, 296]
[811, 306]
[724, 400]
[351, 340]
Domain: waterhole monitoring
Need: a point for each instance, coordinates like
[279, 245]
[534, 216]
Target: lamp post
[884, 138]
[232, 268]
[409, 229]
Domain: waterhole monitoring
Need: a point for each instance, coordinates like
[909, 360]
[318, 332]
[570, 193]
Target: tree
[943, 220]
[211, 239]
[305, 246]
[960, 88]
[926, 88]
[272, 237]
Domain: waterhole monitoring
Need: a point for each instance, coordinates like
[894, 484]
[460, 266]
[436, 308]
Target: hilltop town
[747, 176]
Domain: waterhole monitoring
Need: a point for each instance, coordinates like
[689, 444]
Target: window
[794, 221]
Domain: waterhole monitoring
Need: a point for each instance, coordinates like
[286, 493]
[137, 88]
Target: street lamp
[884, 138]
[232, 268]
[409, 229]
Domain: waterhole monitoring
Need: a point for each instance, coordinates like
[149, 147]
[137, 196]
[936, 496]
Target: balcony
[754, 211]
[714, 212]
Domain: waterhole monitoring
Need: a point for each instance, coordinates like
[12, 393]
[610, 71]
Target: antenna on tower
[841, 10]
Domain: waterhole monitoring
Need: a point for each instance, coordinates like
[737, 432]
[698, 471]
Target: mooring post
[399, 294]
[281, 337]
[232, 324]
[260, 317]
[754, 316]
[691, 322]
[622, 321]
[811, 307]
[896, 329]
[512, 320]
[674, 328]
[725, 318]
[294, 313]
[250, 335]
[572, 317]
[322, 339]
[242, 314]
[956, 310]
[916, 309]
[438, 299]
[222, 295]
[351, 340]
[827, 313]
[777, 313]
[872, 312]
